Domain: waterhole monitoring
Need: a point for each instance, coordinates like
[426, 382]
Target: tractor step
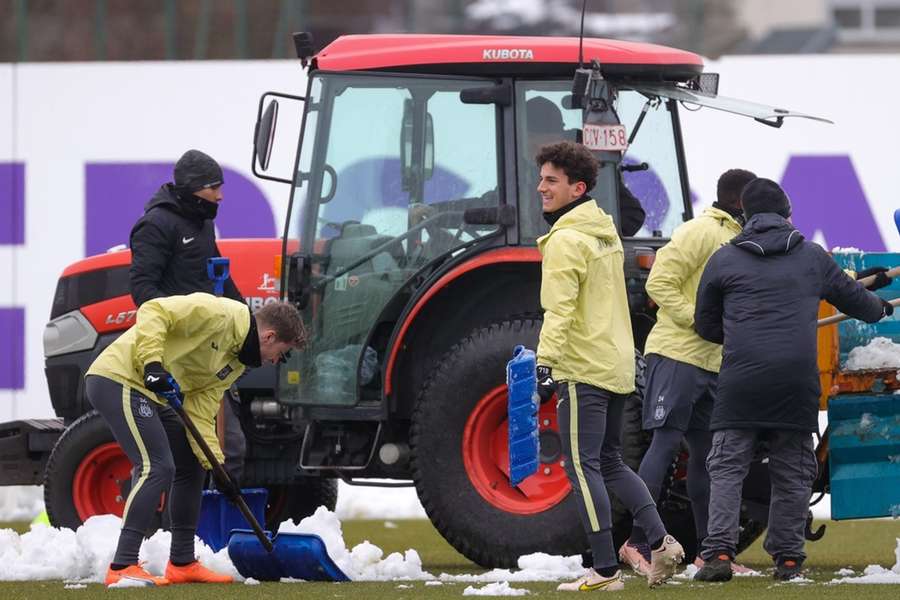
[864, 455]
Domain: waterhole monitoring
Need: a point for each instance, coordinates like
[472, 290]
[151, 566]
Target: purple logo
[12, 348]
[12, 203]
[115, 195]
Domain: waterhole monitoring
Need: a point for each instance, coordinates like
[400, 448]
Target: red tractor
[410, 248]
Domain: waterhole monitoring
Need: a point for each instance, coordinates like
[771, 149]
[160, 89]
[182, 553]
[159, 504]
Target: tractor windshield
[388, 165]
[657, 186]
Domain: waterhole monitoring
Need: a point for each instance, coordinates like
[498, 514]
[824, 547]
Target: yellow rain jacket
[586, 336]
[673, 284]
[197, 339]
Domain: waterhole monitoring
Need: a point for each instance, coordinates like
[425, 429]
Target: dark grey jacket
[169, 247]
[759, 296]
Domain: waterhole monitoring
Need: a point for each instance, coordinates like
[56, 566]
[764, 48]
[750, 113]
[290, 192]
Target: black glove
[546, 387]
[228, 488]
[156, 378]
[881, 278]
[887, 308]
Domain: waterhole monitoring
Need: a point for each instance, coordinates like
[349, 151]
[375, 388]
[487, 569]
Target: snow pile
[847, 250]
[846, 572]
[874, 573]
[532, 567]
[495, 589]
[21, 502]
[880, 353]
[83, 556]
[359, 502]
[251, 581]
[365, 561]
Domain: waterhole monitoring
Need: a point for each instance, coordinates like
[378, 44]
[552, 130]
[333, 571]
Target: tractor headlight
[70, 332]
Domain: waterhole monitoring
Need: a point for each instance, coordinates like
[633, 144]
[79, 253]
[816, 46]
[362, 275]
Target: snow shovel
[253, 553]
[837, 318]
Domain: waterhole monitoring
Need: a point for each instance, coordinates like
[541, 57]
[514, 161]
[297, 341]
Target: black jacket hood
[165, 195]
[768, 234]
[185, 204]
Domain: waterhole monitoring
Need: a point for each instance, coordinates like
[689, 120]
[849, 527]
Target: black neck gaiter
[553, 217]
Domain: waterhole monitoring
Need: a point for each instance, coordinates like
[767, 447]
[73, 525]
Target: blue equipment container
[218, 516]
[864, 428]
[522, 410]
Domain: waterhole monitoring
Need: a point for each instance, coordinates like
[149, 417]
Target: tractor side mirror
[266, 131]
[265, 135]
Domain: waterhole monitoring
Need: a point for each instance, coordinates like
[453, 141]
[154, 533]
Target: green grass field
[849, 544]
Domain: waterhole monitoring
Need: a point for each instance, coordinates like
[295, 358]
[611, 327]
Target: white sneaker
[594, 582]
[664, 561]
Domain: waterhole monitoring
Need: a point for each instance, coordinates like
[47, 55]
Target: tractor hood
[767, 115]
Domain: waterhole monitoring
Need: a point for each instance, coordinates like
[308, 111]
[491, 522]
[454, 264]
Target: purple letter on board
[12, 348]
[828, 197]
[12, 203]
[115, 195]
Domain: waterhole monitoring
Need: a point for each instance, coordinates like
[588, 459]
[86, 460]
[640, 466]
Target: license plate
[608, 138]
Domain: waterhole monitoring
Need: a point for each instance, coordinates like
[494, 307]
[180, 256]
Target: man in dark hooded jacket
[170, 246]
[759, 296]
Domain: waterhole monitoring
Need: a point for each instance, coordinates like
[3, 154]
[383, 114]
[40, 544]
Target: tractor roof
[504, 55]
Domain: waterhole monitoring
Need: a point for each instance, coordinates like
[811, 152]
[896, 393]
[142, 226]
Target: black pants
[156, 443]
[590, 423]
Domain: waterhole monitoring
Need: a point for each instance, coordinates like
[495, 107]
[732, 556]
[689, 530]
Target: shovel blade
[296, 555]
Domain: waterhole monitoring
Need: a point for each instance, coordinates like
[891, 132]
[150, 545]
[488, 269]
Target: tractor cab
[419, 151]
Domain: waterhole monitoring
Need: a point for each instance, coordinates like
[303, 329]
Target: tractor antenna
[581, 36]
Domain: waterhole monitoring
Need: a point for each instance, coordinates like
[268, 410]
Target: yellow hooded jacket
[586, 336]
[197, 339]
[673, 284]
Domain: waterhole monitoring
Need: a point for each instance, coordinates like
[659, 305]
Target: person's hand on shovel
[160, 381]
[880, 274]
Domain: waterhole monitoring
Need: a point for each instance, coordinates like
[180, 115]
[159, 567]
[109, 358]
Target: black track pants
[590, 423]
[156, 443]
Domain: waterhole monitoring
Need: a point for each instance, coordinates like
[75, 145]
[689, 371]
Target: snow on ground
[873, 573]
[880, 353]
[532, 567]
[364, 502]
[494, 589]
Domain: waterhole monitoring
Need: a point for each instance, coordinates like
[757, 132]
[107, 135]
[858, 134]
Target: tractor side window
[546, 120]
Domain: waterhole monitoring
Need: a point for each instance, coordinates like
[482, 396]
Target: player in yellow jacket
[682, 368]
[586, 357]
[202, 343]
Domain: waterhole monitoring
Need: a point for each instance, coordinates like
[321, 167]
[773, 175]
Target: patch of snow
[847, 250]
[688, 573]
[434, 582]
[875, 573]
[846, 572]
[129, 582]
[21, 502]
[390, 525]
[750, 573]
[251, 581]
[364, 562]
[880, 353]
[361, 502]
[798, 581]
[74, 586]
[501, 588]
[532, 567]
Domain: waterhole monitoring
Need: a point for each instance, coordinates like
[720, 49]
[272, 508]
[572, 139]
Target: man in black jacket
[170, 246]
[759, 296]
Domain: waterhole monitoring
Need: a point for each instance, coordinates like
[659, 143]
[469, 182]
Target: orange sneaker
[194, 573]
[133, 575]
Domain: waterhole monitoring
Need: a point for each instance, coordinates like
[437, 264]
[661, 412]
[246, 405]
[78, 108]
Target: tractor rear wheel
[460, 461]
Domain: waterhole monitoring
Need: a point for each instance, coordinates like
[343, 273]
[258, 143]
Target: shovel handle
[867, 281]
[222, 475]
[842, 317]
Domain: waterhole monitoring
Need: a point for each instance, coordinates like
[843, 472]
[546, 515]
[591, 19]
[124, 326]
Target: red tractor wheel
[458, 441]
[87, 474]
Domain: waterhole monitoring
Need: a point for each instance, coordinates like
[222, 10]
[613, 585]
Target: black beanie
[764, 196]
[196, 171]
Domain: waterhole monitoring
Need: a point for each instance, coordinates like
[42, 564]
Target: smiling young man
[203, 343]
[586, 357]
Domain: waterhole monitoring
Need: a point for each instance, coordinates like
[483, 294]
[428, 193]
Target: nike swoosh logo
[187, 240]
[151, 378]
[590, 587]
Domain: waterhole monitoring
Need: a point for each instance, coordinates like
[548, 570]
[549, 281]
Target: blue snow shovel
[522, 413]
[254, 552]
[217, 271]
